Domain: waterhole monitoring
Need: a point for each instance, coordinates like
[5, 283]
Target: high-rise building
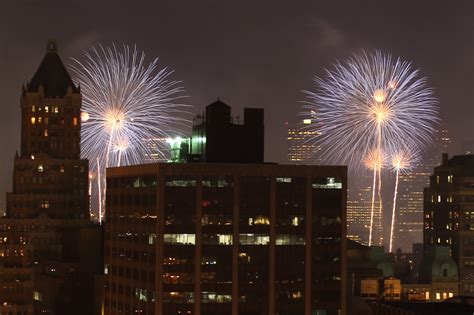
[49, 250]
[225, 238]
[449, 215]
[409, 221]
[359, 202]
[302, 149]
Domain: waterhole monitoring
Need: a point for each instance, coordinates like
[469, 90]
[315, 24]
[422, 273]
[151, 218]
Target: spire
[52, 75]
[52, 46]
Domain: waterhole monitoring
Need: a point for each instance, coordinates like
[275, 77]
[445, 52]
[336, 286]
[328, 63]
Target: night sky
[247, 53]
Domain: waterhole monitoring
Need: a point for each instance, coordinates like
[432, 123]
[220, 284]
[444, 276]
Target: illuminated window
[427, 295]
[61, 169]
[254, 239]
[450, 178]
[327, 183]
[295, 221]
[213, 297]
[106, 269]
[289, 239]
[40, 168]
[450, 294]
[438, 296]
[33, 120]
[217, 239]
[38, 296]
[46, 109]
[45, 204]
[33, 108]
[141, 294]
[40, 119]
[445, 295]
[55, 109]
[244, 258]
[45, 132]
[283, 180]
[437, 179]
[180, 183]
[74, 121]
[259, 220]
[208, 261]
[439, 198]
[151, 238]
[180, 239]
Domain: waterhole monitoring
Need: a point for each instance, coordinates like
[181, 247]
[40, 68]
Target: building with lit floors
[302, 148]
[449, 215]
[49, 250]
[234, 239]
[216, 238]
[359, 198]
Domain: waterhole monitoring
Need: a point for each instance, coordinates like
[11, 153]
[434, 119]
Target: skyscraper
[409, 222]
[49, 250]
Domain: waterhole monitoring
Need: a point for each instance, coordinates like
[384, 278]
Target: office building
[234, 239]
[449, 215]
[49, 250]
[225, 238]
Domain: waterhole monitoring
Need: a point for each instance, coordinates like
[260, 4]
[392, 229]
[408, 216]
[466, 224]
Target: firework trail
[374, 161]
[402, 161]
[128, 106]
[370, 103]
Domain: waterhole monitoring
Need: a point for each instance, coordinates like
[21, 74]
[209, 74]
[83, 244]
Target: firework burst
[128, 105]
[370, 103]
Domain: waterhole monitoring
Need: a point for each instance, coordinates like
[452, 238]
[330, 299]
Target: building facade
[449, 216]
[242, 239]
[49, 250]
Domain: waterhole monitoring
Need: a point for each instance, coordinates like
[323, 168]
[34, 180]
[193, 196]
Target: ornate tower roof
[52, 75]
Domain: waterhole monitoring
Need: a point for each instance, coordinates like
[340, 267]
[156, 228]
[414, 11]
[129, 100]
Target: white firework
[128, 106]
[370, 103]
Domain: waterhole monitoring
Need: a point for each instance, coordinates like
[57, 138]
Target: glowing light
[380, 95]
[84, 116]
[129, 105]
[306, 121]
[370, 103]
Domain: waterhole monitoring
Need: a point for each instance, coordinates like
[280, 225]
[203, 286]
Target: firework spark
[402, 161]
[126, 104]
[370, 103]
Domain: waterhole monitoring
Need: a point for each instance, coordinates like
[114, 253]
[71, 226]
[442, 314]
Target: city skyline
[188, 39]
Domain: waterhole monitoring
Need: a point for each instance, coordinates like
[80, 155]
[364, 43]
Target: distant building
[449, 215]
[302, 149]
[359, 202]
[409, 222]
[49, 250]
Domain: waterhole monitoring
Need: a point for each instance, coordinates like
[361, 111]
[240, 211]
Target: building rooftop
[52, 75]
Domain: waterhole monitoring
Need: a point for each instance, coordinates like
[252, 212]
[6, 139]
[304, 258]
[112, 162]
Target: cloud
[328, 35]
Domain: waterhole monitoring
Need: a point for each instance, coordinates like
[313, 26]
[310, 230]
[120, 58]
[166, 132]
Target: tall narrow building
[49, 250]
